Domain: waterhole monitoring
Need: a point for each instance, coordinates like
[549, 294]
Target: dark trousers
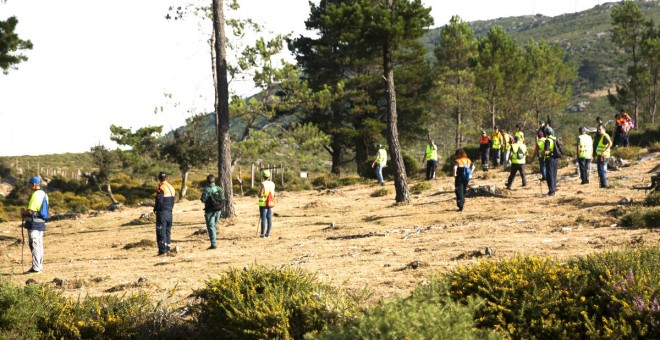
[460, 189]
[551, 174]
[485, 156]
[517, 168]
[542, 168]
[430, 169]
[163, 230]
[584, 164]
[496, 157]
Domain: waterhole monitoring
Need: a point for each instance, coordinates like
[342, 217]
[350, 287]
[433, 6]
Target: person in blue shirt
[35, 224]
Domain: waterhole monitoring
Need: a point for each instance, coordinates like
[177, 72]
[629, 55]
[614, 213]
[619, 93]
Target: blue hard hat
[35, 180]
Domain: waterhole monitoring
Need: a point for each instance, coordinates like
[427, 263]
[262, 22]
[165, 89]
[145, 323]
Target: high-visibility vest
[507, 141]
[514, 153]
[602, 145]
[586, 145]
[541, 143]
[551, 148]
[269, 187]
[520, 135]
[431, 153]
[497, 140]
[381, 157]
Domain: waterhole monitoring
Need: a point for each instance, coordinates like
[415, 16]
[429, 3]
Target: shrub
[645, 138]
[420, 187]
[427, 314]
[262, 302]
[628, 153]
[193, 194]
[654, 147]
[653, 200]
[19, 309]
[641, 217]
[379, 193]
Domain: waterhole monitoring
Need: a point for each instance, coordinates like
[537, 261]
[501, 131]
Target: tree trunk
[336, 153]
[184, 181]
[110, 195]
[361, 155]
[400, 183]
[222, 109]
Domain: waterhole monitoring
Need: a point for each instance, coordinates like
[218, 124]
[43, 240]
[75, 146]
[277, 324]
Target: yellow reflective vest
[520, 135]
[514, 153]
[551, 147]
[586, 146]
[431, 153]
[381, 157]
[541, 143]
[269, 187]
[497, 141]
[602, 145]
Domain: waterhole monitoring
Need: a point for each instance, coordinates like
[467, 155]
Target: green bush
[20, 308]
[262, 302]
[420, 187]
[645, 138]
[379, 193]
[654, 147]
[193, 194]
[653, 200]
[427, 314]
[628, 153]
[641, 217]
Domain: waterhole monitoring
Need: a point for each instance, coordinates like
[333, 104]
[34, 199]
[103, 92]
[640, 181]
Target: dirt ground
[345, 236]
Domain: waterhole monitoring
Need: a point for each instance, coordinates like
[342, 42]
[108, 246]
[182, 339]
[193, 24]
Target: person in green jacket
[212, 197]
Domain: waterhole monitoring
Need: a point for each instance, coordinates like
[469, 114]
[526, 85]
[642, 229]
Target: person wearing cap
[379, 163]
[35, 223]
[518, 154]
[431, 157]
[538, 152]
[484, 149]
[584, 150]
[551, 163]
[496, 146]
[163, 209]
[212, 209]
[265, 212]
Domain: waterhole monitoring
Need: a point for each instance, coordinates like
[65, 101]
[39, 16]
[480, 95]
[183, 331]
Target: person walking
[496, 146]
[519, 133]
[265, 207]
[379, 163]
[518, 154]
[431, 157]
[212, 197]
[538, 152]
[551, 163]
[603, 153]
[35, 223]
[584, 151]
[484, 149]
[163, 209]
[461, 162]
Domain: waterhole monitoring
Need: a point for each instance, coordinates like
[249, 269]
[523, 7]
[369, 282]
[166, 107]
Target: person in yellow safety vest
[35, 223]
[431, 158]
[379, 163]
[496, 146]
[265, 212]
[506, 147]
[603, 154]
[584, 151]
[551, 163]
[519, 133]
[538, 152]
[518, 154]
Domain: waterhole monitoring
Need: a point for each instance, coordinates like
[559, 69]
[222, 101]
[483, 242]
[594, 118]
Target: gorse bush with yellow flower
[261, 302]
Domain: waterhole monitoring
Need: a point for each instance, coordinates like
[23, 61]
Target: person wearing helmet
[379, 163]
[266, 203]
[35, 222]
[163, 209]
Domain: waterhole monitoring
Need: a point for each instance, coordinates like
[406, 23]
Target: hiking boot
[212, 247]
[164, 253]
[32, 271]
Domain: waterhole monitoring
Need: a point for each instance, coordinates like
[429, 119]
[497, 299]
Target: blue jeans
[266, 215]
[551, 165]
[379, 173]
[163, 230]
[542, 167]
[602, 171]
[211, 219]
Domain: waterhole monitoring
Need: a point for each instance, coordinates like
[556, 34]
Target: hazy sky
[101, 62]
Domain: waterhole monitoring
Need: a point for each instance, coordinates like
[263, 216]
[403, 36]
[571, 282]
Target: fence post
[252, 177]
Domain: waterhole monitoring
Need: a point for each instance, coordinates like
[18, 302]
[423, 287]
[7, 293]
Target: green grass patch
[379, 193]
[420, 187]
[648, 217]
[628, 153]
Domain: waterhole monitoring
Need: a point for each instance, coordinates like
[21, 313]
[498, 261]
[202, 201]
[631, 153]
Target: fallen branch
[355, 236]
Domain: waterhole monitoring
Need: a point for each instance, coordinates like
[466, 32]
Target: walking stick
[259, 224]
[23, 241]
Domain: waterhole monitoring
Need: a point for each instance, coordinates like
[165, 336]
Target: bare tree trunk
[222, 109]
[110, 195]
[185, 170]
[400, 183]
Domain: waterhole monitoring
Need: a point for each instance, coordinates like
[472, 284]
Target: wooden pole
[282, 172]
[252, 177]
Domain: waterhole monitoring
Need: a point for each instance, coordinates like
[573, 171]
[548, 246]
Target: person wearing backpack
[35, 217]
[585, 152]
[518, 153]
[551, 161]
[266, 203]
[538, 152]
[463, 168]
[212, 197]
[603, 153]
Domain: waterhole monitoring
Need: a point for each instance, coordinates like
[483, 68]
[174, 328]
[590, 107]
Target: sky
[101, 62]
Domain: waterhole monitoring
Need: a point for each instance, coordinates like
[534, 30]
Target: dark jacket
[164, 197]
